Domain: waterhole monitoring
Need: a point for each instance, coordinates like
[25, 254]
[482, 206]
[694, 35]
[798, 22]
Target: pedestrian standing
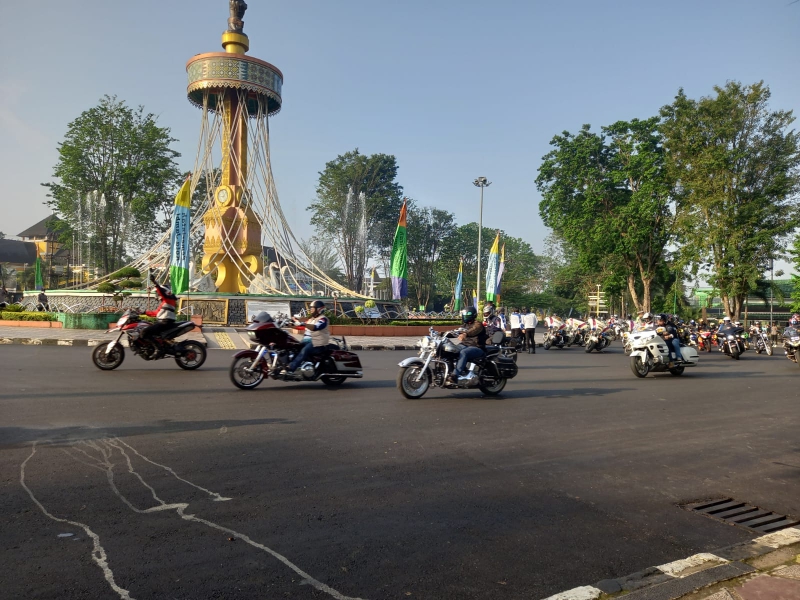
[530, 322]
[773, 334]
[43, 303]
[515, 321]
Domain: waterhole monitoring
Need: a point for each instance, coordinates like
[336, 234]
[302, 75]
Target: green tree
[360, 226]
[736, 164]
[115, 169]
[607, 196]
[427, 230]
[323, 256]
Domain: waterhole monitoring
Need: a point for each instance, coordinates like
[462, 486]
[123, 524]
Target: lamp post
[771, 290]
[480, 182]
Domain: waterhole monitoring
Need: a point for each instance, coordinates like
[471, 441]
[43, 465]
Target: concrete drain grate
[745, 515]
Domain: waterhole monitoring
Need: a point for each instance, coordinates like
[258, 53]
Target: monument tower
[236, 89]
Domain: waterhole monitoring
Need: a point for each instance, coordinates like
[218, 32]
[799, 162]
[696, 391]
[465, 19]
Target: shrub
[130, 283]
[26, 316]
[370, 303]
[127, 273]
[359, 309]
[13, 308]
[106, 288]
[426, 322]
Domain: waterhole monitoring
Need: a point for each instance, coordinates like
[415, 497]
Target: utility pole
[480, 182]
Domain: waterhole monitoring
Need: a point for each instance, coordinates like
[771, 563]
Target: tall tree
[737, 167]
[607, 196]
[427, 230]
[359, 228]
[115, 168]
[323, 256]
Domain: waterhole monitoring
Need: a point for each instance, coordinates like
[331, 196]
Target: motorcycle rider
[491, 321]
[318, 333]
[646, 323]
[670, 335]
[726, 328]
[164, 313]
[473, 339]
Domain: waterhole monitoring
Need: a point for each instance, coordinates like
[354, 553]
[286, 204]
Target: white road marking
[98, 553]
[106, 449]
[585, 592]
[676, 567]
[781, 538]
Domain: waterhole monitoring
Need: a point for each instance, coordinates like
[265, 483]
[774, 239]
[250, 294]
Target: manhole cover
[742, 514]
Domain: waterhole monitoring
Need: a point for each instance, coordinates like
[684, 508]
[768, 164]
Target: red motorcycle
[189, 354]
[704, 340]
[276, 348]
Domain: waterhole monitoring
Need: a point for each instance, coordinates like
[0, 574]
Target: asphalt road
[182, 486]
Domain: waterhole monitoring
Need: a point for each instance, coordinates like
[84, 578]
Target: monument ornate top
[235, 22]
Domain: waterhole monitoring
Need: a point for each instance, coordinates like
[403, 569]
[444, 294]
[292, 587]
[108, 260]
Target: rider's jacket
[492, 325]
[166, 309]
[645, 326]
[475, 335]
[317, 328]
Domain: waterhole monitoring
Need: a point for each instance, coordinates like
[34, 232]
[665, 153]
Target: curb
[675, 580]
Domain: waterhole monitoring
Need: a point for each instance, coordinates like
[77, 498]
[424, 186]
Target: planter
[387, 330]
[48, 324]
[87, 320]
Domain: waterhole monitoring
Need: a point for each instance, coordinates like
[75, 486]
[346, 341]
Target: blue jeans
[675, 344]
[468, 354]
[305, 354]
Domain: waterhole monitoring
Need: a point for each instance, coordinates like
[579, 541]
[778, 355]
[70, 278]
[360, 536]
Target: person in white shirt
[529, 322]
[515, 321]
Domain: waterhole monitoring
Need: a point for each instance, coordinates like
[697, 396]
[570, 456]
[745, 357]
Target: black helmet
[318, 305]
[662, 317]
[469, 315]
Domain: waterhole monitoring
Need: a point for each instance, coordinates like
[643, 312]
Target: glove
[153, 278]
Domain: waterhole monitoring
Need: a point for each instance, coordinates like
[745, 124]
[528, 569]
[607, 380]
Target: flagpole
[480, 182]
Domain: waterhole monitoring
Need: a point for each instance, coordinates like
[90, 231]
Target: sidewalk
[216, 338]
[765, 568]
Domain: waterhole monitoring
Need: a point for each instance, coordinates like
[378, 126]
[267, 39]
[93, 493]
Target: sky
[453, 89]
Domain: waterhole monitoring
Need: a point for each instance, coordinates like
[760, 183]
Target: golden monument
[235, 87]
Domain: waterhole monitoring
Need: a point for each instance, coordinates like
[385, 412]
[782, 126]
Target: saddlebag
[506, 367]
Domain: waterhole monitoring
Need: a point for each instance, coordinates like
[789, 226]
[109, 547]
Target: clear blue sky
[454, 89]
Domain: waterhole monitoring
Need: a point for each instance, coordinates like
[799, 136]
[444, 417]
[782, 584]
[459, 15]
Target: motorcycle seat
[177, 331]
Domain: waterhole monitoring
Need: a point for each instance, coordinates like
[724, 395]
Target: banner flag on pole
[492, 268]
[459, 285]
[179, 242]
[399, 265]
[38, 279]
[500, 271]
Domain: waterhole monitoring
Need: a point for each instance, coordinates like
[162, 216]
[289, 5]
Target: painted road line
[585, 592]
[224, 340]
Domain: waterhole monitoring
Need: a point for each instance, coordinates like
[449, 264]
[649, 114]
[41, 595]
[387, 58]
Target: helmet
[726, 318]
[319, 306]
[662, 317]
[647, 316]
[488, 310]
[468, 315]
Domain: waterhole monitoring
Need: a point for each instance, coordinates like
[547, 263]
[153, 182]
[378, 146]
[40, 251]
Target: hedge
[26, 316]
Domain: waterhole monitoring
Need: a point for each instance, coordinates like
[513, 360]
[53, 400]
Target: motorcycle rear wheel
[639, 367]
[332, 379]
[677, 371]
[110, 361]
[192, 355]
[407, 385]
[493, 390]
[243, 379]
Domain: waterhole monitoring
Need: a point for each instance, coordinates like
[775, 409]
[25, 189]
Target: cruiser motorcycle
[189, 354]
[791, 344]
[598, 339]
[762, 343]
[650, 353]
[274, 350]
[731, 342]
[438, 355]
[555, 337]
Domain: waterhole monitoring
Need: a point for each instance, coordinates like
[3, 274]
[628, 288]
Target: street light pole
[771, 290]
[480, 182]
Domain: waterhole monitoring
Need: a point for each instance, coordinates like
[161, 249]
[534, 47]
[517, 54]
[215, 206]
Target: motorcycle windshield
[790, 332]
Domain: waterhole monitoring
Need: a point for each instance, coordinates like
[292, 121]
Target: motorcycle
[791, 344]
[554, 337]
[704, 340]
[762, 343]
[597, 340]
[731, 342]
[627, 346]
[275, 348]
[437, 358]
[189, 354]
[650, 353]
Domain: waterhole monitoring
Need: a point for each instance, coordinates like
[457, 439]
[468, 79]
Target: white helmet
[647, 316]
[726, 318]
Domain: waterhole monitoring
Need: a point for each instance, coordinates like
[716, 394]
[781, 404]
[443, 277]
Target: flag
[399, 265]
[459, 284]
[38, 280]
[500, 271]
[492, 268]
[179, 242]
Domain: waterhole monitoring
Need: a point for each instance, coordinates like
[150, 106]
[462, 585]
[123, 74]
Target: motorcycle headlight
[730, 337]
[423, 343]
[252, 335]
[796, 339]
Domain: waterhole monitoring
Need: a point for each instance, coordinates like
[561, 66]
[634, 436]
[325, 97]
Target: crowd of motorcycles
[273, 347]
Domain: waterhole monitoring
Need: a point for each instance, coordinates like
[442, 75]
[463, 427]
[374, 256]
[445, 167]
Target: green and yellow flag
[179, 242]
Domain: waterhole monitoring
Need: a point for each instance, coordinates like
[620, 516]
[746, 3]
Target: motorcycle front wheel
[768, 348]
[107, 361]
[639, 367]
[677, 371]
[495, 388]
[547, 344]
[409, 386]
[191, 355]
[735, 353]
[589, 347]
[241, 377]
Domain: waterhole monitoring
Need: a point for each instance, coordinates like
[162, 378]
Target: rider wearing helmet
[670, 335]
[646, 322]
[473, 338]
[318, 334]
[491, 321]
[164, 314]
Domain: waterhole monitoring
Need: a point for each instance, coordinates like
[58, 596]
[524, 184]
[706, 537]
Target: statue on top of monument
[235, 23]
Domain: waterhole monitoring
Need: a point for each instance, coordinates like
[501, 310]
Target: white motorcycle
[649, 352]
